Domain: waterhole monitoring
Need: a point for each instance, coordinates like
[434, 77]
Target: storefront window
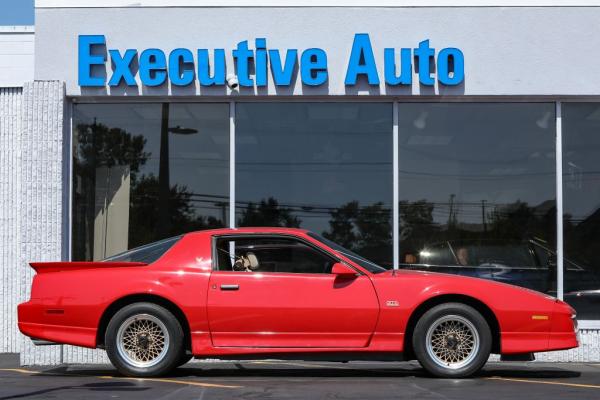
[476, 182]
[144, 172]
[581, 206]
[326, 167]
[477, 191]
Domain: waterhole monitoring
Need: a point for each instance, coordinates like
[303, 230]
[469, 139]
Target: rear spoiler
[41, 267]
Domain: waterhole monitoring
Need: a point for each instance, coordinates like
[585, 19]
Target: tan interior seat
[248, 262]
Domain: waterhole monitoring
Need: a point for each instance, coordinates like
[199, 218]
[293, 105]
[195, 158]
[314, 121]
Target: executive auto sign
[182, 66]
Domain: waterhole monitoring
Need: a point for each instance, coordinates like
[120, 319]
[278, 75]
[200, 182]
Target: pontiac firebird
[253, 293]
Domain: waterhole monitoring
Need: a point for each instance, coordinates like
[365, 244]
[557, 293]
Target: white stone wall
[10, 160]
[41, 194]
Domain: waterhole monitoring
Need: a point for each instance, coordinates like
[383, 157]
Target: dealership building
[461, 138]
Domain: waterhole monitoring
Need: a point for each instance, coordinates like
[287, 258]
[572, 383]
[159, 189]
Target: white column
[41, 193]
[232, 221]
[559, 203]
[10, 207]
[396, 194]
[68, 173]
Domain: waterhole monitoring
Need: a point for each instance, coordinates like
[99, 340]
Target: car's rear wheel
[452, 340]
[144, 339]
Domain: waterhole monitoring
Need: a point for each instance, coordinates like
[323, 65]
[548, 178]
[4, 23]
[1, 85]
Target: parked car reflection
[530, 263]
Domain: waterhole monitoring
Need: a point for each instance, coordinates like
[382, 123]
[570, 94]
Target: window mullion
[232, 222]
[559, 203]
[396, 194]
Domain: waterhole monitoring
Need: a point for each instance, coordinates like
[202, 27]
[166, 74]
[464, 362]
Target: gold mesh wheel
[142, 340]
[452, 342]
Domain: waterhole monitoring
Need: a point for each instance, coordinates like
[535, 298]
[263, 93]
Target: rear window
[147, 253]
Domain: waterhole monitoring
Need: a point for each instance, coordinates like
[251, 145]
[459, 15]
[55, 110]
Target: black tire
[184, 358]
[172, 340]
[439, 320]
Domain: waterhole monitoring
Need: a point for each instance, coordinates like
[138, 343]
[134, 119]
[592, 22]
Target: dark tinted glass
[144, 172]
[581, 203]
[271, 255]
[326, 167]
[148, 253]
[477, 190]
[363, 262]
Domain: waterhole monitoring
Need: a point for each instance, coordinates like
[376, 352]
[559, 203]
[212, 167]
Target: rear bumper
[38, 324]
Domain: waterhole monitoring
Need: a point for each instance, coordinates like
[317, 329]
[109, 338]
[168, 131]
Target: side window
[270, 254]
[147, 253]
[489, 254]
[494, 254]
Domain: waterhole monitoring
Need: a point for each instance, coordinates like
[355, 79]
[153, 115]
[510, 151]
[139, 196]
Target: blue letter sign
[258, 65]
[362, 61]
[87, 60]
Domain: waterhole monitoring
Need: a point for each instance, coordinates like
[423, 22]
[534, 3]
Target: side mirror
[342, 270]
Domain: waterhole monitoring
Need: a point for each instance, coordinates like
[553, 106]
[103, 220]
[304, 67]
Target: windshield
[363, 262]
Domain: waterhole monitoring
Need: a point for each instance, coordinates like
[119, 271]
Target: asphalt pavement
[283, 380]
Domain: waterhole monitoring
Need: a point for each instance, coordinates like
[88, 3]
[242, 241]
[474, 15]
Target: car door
[285, 296]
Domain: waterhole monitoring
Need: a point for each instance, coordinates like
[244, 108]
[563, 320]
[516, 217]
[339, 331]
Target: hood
[439, 279]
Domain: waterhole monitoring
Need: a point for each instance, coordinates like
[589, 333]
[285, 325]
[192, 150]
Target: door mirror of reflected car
[342, 270]
[552, 262]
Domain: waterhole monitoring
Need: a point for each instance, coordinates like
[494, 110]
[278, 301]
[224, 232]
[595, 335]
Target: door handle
[230, 287]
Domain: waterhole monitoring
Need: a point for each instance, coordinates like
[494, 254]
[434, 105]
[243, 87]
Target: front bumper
[564, 332]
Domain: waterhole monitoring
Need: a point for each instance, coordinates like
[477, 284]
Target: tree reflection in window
[321, 166]
[97, 146]
[130, 189]
[268, 213]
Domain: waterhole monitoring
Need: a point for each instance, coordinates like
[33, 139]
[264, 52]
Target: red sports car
[283, 293]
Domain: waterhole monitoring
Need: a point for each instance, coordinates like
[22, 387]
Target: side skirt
[316, 356]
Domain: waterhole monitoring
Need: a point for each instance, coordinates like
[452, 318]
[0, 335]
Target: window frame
[215, 258]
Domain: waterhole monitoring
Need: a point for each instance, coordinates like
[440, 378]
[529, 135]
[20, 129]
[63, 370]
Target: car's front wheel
[452, 340]
[144, 339]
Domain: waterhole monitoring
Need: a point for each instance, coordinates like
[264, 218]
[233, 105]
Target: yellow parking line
[215, 385]
[177, 381]
[578, 385]
[163, 380]
[19, 370]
